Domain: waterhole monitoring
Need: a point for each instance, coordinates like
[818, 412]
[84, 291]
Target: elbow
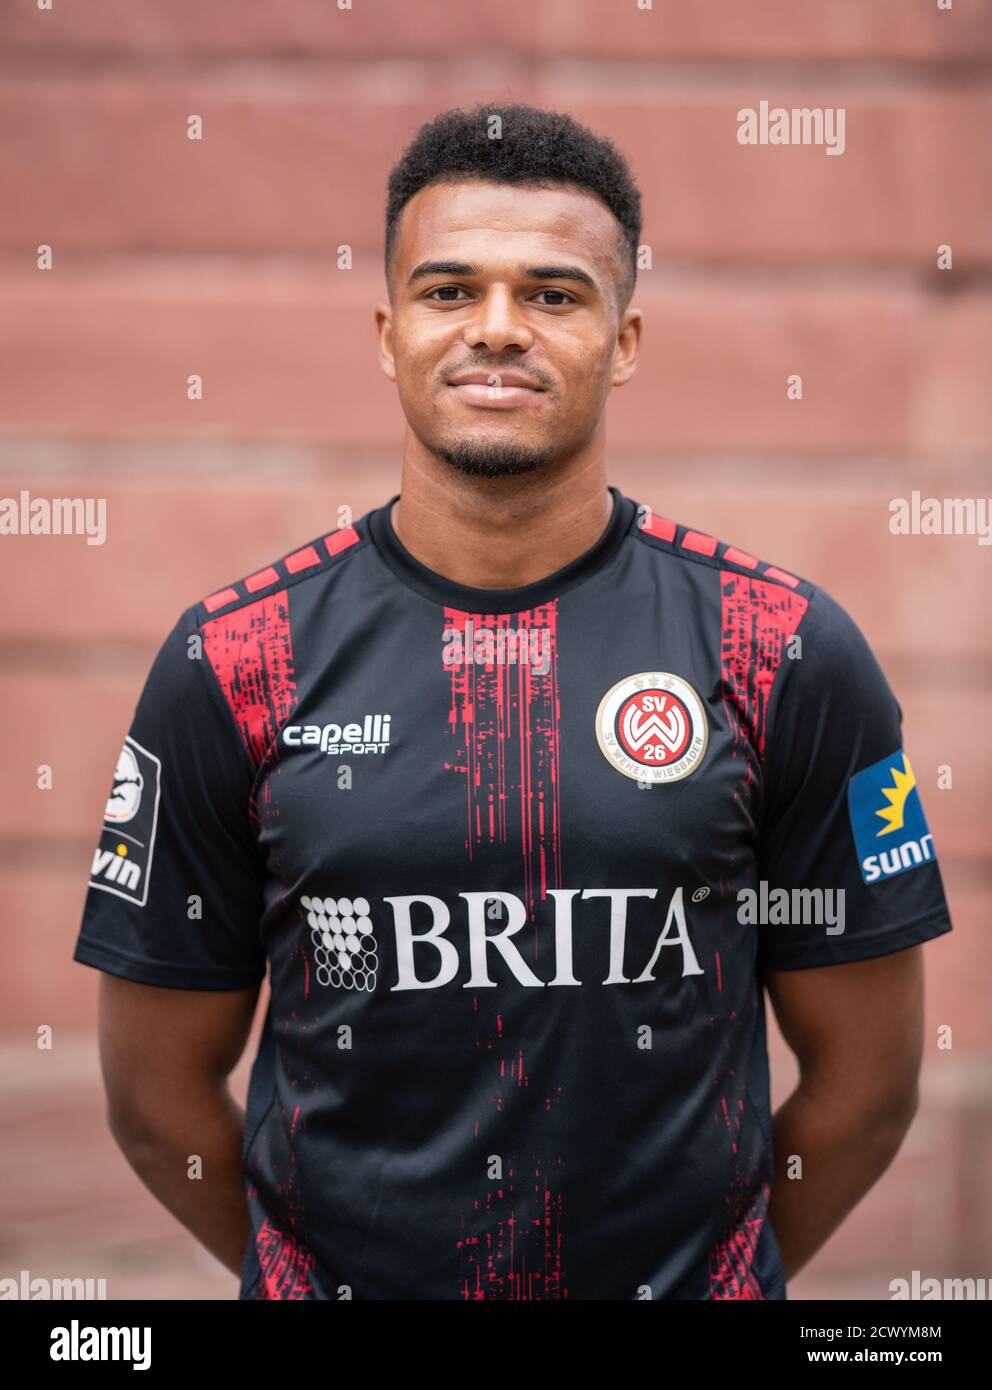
[903, 1109]
[126, 1123]
[884, 1125]
[136, 1114]
[876, 1117]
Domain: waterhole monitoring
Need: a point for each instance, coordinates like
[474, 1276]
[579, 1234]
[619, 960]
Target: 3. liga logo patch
[652, 727]
[122, 861]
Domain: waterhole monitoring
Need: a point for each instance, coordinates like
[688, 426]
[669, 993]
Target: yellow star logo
[903, 784]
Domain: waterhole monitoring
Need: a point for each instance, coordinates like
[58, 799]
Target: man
[522, 791]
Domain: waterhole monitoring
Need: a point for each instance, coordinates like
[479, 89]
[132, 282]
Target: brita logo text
[370, 736]
[627, 942]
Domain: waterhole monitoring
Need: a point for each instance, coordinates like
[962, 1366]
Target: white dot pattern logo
[345, 948]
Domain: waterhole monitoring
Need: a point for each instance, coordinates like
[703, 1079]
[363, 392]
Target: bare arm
[857, 1032]
[166, 1055]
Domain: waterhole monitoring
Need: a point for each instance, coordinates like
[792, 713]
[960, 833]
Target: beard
[491, 458]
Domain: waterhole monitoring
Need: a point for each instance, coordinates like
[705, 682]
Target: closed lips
[495, 379]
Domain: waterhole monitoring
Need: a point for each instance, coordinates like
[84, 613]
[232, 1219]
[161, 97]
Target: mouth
[495, 390]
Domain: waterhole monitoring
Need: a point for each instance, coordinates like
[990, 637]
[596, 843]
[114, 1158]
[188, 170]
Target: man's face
[504, 333]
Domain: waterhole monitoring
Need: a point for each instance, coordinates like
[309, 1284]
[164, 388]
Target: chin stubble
[492, 459]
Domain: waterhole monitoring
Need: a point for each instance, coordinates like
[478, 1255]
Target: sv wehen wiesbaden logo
[652, 727]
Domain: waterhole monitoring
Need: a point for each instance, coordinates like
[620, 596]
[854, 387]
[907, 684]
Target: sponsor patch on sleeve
[122, 860]
[890, 830]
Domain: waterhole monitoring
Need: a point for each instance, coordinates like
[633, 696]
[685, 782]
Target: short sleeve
[176, 888]
[841, 809]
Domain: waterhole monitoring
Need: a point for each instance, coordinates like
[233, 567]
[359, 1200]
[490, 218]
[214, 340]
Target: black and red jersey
[516, 862]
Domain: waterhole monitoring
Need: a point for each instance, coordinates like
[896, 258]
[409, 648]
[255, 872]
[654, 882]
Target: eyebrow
[530, 272]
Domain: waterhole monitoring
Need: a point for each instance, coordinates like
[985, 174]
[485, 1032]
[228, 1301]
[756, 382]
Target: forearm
[212, 1204]
[844, 1149]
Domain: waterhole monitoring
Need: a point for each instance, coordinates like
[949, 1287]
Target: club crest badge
[652, 727]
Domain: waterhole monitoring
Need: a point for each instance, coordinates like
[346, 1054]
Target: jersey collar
[471, 600]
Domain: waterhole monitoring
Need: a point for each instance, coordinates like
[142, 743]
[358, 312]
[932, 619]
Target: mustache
[538, 377]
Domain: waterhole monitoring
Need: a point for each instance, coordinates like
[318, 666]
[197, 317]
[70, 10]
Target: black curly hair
[536, 147]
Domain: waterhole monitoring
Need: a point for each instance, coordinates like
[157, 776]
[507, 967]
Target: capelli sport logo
[122, 860]
[371, 736]
[652, 727]
[890, 829]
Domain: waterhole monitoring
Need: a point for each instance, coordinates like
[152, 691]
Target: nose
[498, 323]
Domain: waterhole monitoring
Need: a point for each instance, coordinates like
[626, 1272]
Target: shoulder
[240, 637]
[781, 635]
[305, 562]
[752, 579]
[762, 605]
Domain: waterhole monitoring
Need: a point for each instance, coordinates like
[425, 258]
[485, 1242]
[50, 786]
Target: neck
[500, 533]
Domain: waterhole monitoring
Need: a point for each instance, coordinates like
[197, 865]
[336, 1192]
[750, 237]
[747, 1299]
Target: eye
[443, 289]
[560, 304]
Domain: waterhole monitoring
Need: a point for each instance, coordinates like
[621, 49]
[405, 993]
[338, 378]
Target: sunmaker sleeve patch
[890, 829]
